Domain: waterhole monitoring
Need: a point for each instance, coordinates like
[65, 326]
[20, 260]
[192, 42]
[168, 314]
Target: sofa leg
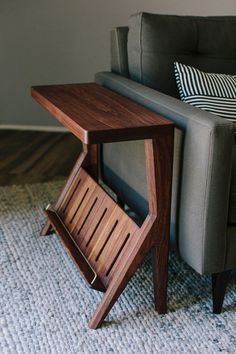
[219, 285]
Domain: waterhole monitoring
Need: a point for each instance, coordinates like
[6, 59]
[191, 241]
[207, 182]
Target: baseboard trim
[43, 128]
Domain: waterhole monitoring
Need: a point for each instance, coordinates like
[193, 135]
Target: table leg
[153, 233]
[91, 163]
[46, 229]
[159, 155]
[132, 258]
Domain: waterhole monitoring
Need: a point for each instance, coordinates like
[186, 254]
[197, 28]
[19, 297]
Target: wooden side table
[106, 244]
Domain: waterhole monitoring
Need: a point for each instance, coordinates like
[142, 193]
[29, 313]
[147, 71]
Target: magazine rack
[106, 244]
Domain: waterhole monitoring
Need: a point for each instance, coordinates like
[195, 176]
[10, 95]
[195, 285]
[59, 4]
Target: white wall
[62, 41]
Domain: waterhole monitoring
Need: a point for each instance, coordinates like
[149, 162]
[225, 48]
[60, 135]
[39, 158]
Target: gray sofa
[203, 213]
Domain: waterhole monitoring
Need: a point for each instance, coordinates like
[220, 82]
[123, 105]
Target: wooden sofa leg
[219, 285]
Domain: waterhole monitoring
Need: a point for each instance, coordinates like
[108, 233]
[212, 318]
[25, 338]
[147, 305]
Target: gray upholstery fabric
[231, 247]
[124, 170]
[232, 200]
[203, 211]
[200, 221]
[119, 58]
[156, 41]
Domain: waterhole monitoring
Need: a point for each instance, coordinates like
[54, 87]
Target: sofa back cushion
[119, 56]
[155, 42]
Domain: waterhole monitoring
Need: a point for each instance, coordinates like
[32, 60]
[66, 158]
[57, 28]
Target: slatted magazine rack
[106, 244]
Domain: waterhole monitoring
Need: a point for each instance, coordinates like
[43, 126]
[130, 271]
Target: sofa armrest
[206, 172]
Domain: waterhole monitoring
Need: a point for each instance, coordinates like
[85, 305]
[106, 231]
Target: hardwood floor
[34, 157]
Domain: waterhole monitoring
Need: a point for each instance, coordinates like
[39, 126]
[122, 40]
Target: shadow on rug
[45, 305]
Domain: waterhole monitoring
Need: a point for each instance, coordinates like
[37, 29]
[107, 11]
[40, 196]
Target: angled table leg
[153, 233]
[159, 156]
[131, 259]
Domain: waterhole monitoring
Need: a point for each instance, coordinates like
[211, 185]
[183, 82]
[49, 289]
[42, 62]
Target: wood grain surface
[97, 115]
[36, 156]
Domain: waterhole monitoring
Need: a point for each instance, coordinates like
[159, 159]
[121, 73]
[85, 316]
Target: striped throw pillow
[215, 93]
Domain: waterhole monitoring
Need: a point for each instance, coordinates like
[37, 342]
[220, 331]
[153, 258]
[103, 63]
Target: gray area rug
[45, 305]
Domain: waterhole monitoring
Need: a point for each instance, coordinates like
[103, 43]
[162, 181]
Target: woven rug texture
[45, 305]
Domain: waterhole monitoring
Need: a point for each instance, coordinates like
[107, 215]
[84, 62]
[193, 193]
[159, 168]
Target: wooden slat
[70, 193]
[85, 269]
[93, 219]
[131, 257]
[87, 207]
[118, 241]
[100, 236]
[66, 189]
[104, 232]
[99, 225]
[76, 199]
[79, 233]
[81, 205]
